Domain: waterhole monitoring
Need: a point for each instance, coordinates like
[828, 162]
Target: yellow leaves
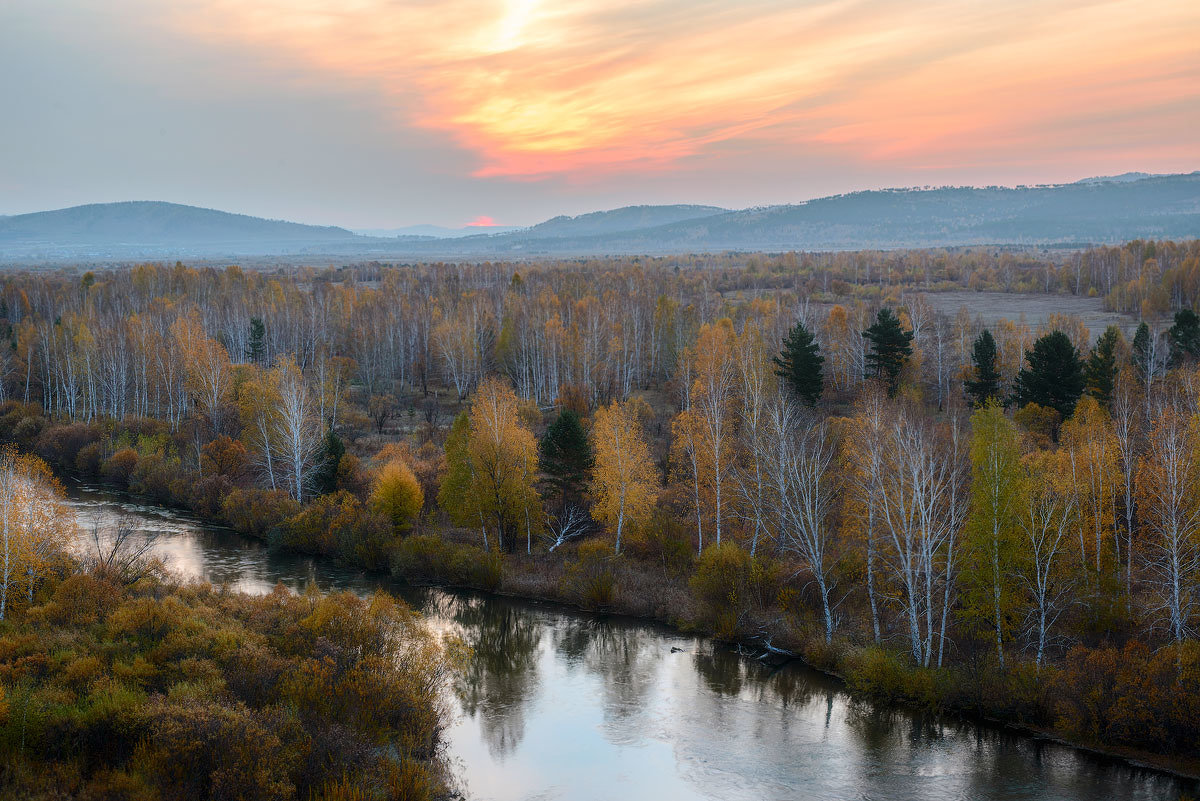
[397, 494]
[500, 441]
[713, 353]
[492, 461]
[1092, 450]
[1070, 324]
[35, 526]
[209, 377]
[624, 481]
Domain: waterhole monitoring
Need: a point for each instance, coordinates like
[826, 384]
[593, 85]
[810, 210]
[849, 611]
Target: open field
[1034, 309]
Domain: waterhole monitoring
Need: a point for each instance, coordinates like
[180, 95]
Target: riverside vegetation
[795, 451]
[120, 682]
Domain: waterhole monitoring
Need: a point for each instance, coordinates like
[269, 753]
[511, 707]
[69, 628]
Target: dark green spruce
[256, 343]
[799, 364]
[984, 383]
[1054, 377]
[1100, 372]
[1184, 337]
[565, 456]
[325, 475]
[891, 346]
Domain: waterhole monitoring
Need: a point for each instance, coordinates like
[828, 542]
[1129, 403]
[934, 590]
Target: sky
[386, 113]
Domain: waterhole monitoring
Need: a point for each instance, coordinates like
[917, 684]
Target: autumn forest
[808, 455]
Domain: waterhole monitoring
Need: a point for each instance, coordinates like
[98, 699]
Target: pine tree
[891, 346]
[1141, 346]
[256, 345]
[324, 477]
[1054, 377]
[1184, 337]
[986, 383]
[799, 364]
[565, 456]
[1100, 372]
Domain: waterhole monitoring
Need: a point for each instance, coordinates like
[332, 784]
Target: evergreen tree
[1141, 348]
[565, 455]
[986, 383]
[891, 346]
[1054, 377]
[325, 474]
[799, 364]
[1184, 337]
[256, 345]
[1100, 372]
[1148, 358]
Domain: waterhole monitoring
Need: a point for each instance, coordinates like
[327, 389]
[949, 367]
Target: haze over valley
[1091, 211]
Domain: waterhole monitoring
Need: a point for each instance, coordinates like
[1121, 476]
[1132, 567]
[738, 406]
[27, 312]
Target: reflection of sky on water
[563, 706]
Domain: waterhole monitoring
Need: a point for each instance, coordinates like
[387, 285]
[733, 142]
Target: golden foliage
[397, 494]
[624, 480]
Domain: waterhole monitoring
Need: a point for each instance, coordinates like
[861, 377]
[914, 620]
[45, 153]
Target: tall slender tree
[492, 467]
[996, 501]
[625, 479]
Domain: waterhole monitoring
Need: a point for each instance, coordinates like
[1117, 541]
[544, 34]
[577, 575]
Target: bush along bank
[156, 690]
[1125, 698]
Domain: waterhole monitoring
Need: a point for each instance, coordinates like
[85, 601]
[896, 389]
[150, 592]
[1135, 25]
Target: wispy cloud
[553, 87]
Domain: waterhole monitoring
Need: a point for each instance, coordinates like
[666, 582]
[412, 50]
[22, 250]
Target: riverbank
[641, 594]
[1106, 696]
[866, 671]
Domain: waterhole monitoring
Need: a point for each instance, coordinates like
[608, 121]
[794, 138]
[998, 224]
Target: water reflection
[563, 706]
[503, 673]
[626, 663]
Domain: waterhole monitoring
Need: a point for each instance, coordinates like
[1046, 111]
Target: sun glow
[578, 87]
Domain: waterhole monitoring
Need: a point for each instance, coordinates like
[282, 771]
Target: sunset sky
[374, 113]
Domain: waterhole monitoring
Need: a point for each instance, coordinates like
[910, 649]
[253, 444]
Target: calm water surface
[558, 705]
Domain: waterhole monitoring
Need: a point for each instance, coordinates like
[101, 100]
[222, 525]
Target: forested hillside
[147, 227]
[796, 451]
[1100, 212]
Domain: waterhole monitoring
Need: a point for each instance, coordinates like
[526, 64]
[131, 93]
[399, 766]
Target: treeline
[158, 342]
[987, 519]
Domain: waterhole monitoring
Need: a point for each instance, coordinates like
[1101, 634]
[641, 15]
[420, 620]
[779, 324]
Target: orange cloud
[541, 87]
[482, 221]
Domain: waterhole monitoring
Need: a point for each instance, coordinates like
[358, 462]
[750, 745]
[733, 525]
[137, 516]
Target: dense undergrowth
[166, 691]
[1120, 696]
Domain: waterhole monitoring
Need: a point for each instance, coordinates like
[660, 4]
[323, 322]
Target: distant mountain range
[435, 231]
[1095, 210]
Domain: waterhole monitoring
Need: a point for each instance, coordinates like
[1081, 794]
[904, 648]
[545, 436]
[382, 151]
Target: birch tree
[1169, 496]
[624, 481]
[805, 488]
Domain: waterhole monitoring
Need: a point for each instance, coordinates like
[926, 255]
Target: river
[563, 705]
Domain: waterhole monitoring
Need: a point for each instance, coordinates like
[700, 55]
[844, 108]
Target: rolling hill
[1092, 211]
[137, 228]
